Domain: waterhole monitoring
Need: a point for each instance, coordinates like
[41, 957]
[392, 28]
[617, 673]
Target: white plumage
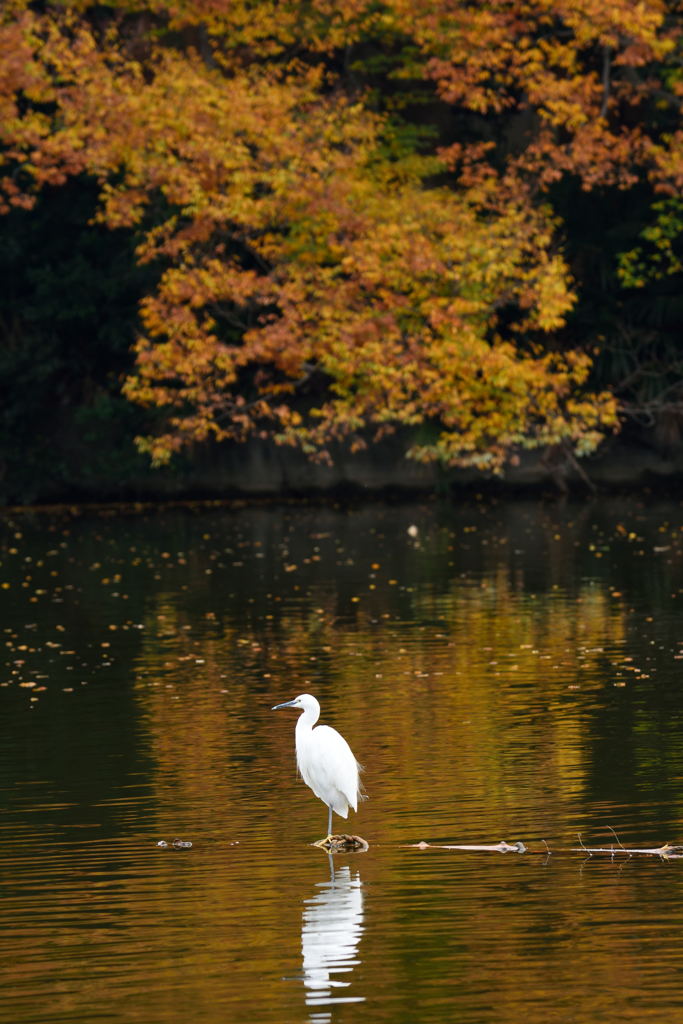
[324, 759]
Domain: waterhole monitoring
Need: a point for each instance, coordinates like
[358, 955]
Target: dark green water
[503, 671]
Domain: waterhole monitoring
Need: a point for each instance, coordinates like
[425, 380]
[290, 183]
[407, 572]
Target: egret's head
[304, 702]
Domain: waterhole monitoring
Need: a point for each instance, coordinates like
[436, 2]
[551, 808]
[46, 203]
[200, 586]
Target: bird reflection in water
[331, 928]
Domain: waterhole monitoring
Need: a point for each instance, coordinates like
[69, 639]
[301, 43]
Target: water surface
[503, 671]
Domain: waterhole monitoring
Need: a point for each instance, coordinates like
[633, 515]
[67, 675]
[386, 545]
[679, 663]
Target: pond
[503, 670]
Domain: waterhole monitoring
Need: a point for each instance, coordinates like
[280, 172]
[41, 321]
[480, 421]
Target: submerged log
[343, 843]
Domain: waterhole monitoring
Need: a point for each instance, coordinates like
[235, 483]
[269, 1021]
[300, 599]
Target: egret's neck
[308, 718]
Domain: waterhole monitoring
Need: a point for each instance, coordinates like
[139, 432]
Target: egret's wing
[330, 768]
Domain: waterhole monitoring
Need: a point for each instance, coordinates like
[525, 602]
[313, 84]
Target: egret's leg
[323, 842]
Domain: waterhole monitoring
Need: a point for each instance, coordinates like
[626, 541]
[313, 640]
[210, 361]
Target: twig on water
[584, 848]
[617, 839]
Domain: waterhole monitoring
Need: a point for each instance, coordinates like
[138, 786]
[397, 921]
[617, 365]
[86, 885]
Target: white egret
[324, 759]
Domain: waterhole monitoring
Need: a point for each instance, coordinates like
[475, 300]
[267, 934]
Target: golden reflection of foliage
[536, 943]
[481, 681]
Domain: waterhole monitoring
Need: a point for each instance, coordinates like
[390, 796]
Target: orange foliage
[583, 72]
[313, 283]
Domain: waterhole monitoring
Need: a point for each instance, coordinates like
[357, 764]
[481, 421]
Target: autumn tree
[582, 103]
[322, 273]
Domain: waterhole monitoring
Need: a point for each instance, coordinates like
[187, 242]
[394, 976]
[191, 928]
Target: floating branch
[668, 851]
[501, 847]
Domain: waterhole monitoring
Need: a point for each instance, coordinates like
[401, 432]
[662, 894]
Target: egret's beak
[287, 704]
